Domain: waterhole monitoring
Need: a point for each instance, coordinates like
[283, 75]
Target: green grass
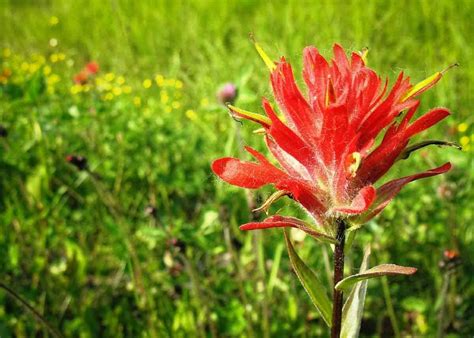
[79, 246]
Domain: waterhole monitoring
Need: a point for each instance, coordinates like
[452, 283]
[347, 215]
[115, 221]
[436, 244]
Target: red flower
[81, 78]
[327, 143]
[89, 70]
[92, 67]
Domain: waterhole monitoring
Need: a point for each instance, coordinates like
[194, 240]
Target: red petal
[291, 101]
[389, 190]
[316, 76]
[248, 174]
[287, 139]
[361, 202]
[426, 121]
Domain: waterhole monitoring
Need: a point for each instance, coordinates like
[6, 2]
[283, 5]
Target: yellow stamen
[354, 161]
[423, 84]
[363, 54]
[259, 131]
[420, 86]
[240, 113]
[270, 64]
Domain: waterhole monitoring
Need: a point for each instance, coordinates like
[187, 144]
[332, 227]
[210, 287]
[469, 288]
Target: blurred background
[112, 224]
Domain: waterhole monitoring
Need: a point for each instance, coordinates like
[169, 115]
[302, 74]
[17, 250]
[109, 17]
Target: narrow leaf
[407, 152]
[310, 282]
[354, 306]
[376, 271]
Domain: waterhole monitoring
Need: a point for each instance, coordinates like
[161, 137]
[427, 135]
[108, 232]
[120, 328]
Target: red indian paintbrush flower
[328, 144]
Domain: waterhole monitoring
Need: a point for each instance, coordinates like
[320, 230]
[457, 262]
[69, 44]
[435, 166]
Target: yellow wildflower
[117, 91]
[137, 101]
[462, 127]
[46, 70]
[159, 79]
[164, 97]
[147, 83]
[120, 80]
[109, 77]
[25, 66]
[464, 141]
[53, 21]
[108, 96]
[176, 105]
[75, 89]
[54, 58]
[127, 89]
[191, 114]
[178, 84]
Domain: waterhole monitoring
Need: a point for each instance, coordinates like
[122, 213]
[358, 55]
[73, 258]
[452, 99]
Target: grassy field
[145, 242]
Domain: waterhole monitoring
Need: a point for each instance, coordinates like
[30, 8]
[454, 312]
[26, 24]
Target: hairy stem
[338, 276]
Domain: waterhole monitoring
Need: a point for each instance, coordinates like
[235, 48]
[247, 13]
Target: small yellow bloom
[159, 79]
[86, 88]
[61, 56]
[108, 96]
[191, 114]
[164, 97]
[53, 79]
[53, 21]
[462, 127]
[147, 83]
[109, 77]
[75, 89]
[54, 58]
[120, 80]
[46, 70]
[464, 141]
[127, 89]
[176, 105]
[34, 68]
[137, 101]
[178, 84]
[168, 109]
[117, 91]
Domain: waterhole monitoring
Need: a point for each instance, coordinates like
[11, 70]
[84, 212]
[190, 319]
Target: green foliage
[146, 242]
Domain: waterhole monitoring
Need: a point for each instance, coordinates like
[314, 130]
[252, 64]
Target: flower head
[334, 144]
[90, 69]
[227, 93]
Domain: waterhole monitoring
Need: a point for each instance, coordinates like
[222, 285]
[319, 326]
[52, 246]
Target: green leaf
[376, 271]
[354, 306]
[310, 282]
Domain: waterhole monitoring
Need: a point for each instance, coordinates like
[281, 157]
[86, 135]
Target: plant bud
[227, 93]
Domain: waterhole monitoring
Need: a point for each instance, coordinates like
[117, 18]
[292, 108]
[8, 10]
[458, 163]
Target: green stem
[36, 314]
[391, 312]
[338, 276]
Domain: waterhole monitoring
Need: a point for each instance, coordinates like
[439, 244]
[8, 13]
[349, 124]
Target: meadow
[112, 223]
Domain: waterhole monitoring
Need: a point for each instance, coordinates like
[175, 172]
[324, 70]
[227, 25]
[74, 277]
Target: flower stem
[32, 310]
[338, 276]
